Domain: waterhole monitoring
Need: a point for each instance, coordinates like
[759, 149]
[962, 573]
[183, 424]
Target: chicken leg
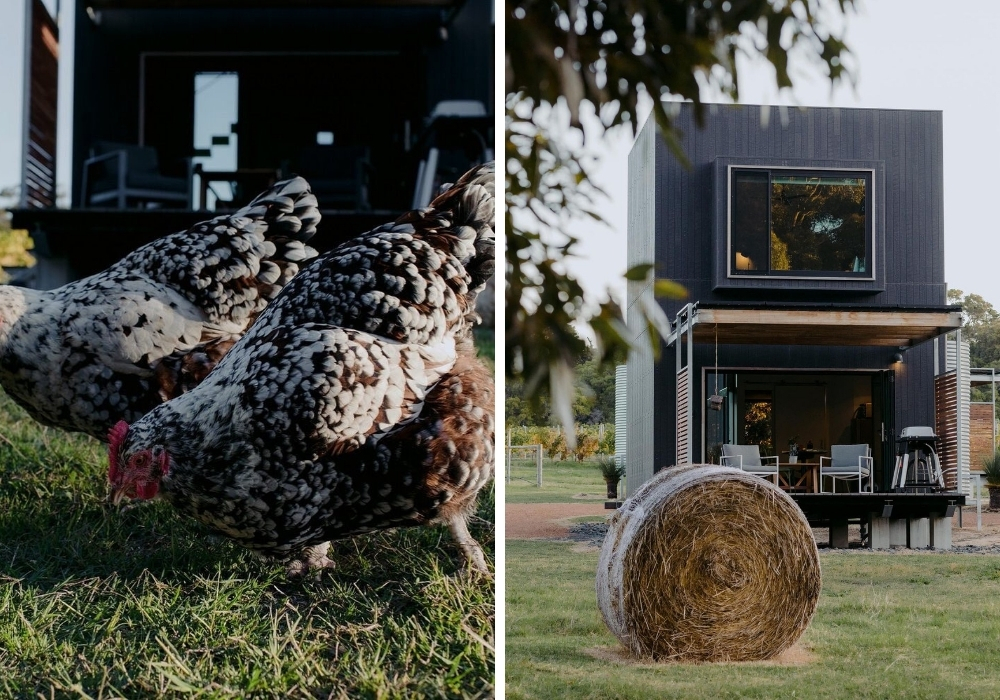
[469, 549]
[310, 559]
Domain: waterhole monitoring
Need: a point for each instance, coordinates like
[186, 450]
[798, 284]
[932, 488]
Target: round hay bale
[708, 563]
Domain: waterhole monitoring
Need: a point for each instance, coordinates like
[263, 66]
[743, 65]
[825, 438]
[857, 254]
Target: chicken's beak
[117, 494]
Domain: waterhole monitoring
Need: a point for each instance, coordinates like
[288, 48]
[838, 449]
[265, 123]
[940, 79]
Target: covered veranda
[822, 405]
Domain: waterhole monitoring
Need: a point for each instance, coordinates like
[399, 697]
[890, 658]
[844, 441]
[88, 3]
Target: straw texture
[708, 563]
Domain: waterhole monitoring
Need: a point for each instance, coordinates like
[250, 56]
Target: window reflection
[811, 223]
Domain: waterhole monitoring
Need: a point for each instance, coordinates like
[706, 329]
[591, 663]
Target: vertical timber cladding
[980, 433]
[41, 101]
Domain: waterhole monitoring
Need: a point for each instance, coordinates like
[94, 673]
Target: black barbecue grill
[918, 469]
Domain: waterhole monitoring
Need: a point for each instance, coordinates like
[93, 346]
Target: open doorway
[812, 410]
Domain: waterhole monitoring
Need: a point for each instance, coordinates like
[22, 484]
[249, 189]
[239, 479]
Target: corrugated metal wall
[621, 414]
[952, 418]
[641, 249]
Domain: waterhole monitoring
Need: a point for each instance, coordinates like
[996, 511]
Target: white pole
[508, 456]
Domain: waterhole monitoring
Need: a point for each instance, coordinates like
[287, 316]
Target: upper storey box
[815, 205]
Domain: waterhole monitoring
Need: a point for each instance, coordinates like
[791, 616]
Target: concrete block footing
[915, 533]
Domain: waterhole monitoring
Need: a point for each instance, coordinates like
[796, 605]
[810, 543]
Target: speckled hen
[354, 403]
[112, 346]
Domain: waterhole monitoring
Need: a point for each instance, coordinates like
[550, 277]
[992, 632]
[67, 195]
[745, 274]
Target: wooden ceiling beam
[890, 328]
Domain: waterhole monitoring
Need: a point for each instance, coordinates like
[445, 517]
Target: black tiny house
[352, 95]
[811, 244]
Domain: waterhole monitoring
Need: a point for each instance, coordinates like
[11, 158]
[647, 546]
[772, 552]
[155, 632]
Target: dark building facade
[351, 95]
[811, 245]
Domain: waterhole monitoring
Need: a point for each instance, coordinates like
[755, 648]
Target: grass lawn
[97, 601]
[888, 626]
[562, 482]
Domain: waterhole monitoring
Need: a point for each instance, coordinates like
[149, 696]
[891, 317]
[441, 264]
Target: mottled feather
[355, 402]
[114, 345]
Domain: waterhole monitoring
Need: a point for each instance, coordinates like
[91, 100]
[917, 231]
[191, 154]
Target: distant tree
[980, 327]
[14, 244]
[593, 396]
[976, 311]
[595, 390]
[607, 54]
[518, 410]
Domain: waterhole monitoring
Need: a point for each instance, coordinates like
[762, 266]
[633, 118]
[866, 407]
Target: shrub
[553, 441]
[991, 468]
[609, 468]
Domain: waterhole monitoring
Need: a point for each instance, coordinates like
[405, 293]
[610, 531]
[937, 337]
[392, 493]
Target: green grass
[887, 626]
[485, 345]
[562, 482]
[97, 601]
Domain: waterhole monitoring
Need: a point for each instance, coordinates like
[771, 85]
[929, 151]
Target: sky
[911, 54]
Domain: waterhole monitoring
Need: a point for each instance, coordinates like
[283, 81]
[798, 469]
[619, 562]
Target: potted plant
[612, 473]
[793, 450]
[991, 470]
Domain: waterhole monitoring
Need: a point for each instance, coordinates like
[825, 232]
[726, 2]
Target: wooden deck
[821, 509]
[913, 520]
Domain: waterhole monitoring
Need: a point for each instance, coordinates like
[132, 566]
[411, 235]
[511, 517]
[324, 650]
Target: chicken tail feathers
[291, 212]
[466, 210]
[289, 208]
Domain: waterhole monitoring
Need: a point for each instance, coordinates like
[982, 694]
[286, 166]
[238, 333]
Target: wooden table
[807, 481]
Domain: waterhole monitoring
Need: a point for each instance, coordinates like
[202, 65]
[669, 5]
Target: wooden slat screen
[683, 418]
[980, 433]
[946, 419]
[39, 176]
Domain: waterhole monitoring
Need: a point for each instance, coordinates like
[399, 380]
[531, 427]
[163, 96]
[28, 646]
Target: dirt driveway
[551, 521]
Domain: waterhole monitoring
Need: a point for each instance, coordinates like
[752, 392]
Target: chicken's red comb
[116, 436]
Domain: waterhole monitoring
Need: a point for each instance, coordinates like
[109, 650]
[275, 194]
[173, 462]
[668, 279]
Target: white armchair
[847, 463]
[747, 458]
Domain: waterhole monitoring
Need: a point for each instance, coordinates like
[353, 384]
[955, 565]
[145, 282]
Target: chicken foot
[469, 549]
[310, 559]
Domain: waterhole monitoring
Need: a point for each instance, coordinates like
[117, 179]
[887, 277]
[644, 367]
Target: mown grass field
[887, 626]
[102, 602]
[562, 482]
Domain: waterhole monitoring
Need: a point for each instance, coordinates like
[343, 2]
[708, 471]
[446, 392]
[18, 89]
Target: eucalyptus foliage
[609, 53]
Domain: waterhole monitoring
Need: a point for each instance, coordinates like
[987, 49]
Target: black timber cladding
[904, 147]
[297, 58]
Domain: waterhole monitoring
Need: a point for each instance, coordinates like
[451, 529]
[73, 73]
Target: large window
[795, 222]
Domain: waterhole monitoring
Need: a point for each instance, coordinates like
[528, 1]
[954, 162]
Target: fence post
[508, 456]
[539, 463]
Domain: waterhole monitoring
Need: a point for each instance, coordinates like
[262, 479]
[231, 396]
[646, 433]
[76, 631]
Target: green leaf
[669, 289]
[571, 52]
[638, 273]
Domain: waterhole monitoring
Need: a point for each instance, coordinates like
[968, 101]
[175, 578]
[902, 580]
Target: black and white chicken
[112, 346]
[355, 402]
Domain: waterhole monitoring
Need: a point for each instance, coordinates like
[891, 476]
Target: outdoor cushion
[846, 459]
[750, 454]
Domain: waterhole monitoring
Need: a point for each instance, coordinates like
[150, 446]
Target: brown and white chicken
[354, 403]
[112, 346]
